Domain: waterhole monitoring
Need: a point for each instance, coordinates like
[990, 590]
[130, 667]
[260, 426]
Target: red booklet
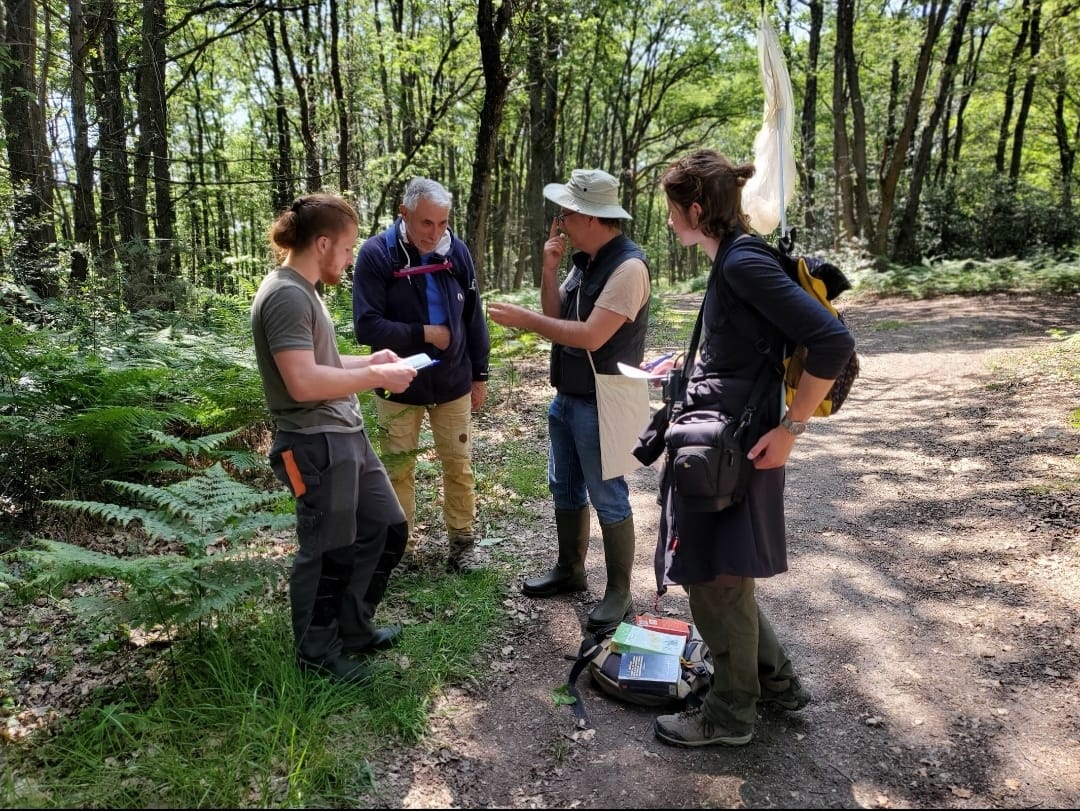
[664, 625]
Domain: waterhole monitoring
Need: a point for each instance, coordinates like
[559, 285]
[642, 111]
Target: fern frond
[164, 499]
[200, 446]
[242, 460]
[56, 563]
[155, 524]
[161, 589]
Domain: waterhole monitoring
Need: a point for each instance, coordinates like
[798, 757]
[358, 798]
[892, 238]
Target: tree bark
[313, 174]
[281, 161]
[85, 221]
[845, 206]
[492, 25]
[895, 162]
[907, 246]
[154, 129]
[339, 100]
[808, 120]
[857, 155]
[30, 167]
[542, 71]
[1010, 88]
[1035, 45]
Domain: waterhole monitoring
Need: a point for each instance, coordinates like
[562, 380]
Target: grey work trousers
[350, 531]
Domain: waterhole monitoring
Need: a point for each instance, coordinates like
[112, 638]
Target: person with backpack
[595, 318]
[349, 526]
[717, 556]
[415, 291]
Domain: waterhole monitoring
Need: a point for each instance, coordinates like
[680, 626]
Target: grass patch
[888, 325]
[233, 723]
[1040, 275]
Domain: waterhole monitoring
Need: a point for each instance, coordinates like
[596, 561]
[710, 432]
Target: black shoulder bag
[707, 448]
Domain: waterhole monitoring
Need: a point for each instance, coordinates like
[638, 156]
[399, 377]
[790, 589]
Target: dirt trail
[932, 604]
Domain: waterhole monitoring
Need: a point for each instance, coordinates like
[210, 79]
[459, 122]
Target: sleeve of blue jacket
[475, 321]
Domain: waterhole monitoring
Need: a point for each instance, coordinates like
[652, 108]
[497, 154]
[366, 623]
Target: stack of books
[650, 654]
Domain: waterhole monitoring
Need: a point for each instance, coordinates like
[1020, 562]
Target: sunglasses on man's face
[562, 215]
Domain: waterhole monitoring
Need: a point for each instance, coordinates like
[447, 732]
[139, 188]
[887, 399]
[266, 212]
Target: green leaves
[210, 515]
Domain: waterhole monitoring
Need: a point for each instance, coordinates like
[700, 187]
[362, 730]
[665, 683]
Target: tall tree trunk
[1010, 88]
[935, 19]
[280, 162]
[154, 130]
[118, 221]
[339, 100]
[971, 75]
[30, 169]
[860, 185]
[313, 178]
[907, 244]
[492, 25]
[1066, 145]
[86, 235]
[808, 121]
[542, 70]
[1029, 91]
[844, 196]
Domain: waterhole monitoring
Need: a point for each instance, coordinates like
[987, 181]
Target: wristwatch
[793, 427]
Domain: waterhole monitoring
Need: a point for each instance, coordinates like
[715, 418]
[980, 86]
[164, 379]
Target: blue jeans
[574, 472]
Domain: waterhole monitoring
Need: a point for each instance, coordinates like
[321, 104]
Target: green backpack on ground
[602, 664]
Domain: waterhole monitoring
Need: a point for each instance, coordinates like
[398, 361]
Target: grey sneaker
[793, 697]
[463, 557]
[692, 728]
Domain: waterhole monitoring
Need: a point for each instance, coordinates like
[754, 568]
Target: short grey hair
[423, 188]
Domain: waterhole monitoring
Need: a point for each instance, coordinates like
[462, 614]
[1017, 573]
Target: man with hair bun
[350, 528]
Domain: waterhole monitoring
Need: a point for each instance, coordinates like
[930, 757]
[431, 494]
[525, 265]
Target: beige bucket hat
[590, 191]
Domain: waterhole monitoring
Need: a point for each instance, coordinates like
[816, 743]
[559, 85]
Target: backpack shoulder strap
[392, 247]
[591, 647]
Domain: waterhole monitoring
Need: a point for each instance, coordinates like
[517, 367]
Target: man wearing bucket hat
[601, 309]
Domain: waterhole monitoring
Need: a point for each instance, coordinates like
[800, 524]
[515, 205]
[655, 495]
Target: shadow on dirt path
[932, 604]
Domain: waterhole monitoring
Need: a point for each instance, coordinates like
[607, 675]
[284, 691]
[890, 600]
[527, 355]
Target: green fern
[161, 590]
[194, 453]
[205, 513]
[197, 512]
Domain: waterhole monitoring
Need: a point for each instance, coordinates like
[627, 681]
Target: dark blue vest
[570, 370]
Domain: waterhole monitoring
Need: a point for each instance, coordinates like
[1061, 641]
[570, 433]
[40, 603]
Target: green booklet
[634, 639]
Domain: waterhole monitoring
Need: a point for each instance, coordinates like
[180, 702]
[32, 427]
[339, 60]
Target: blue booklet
[657, 673]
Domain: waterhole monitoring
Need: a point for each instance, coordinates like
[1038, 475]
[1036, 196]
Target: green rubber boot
[619, 558]
[569, 572]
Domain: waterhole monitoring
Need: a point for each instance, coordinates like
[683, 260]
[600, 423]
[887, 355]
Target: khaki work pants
[451, 428]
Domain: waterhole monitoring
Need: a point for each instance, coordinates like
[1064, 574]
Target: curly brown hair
[713, 182]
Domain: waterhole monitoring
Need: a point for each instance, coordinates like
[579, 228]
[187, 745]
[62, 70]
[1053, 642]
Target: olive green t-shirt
[288, 314]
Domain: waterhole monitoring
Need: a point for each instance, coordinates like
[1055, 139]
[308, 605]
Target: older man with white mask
[415, 291]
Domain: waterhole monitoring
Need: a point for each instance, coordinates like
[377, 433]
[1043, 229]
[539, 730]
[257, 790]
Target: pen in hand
[648, 367]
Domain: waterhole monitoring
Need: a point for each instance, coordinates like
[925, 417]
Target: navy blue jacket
[390, 313]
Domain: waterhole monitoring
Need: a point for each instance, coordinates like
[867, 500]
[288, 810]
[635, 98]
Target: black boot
[619, 559]
[569, 572]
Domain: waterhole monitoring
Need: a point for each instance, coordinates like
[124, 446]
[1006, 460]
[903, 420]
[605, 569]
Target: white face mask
[443, 246]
